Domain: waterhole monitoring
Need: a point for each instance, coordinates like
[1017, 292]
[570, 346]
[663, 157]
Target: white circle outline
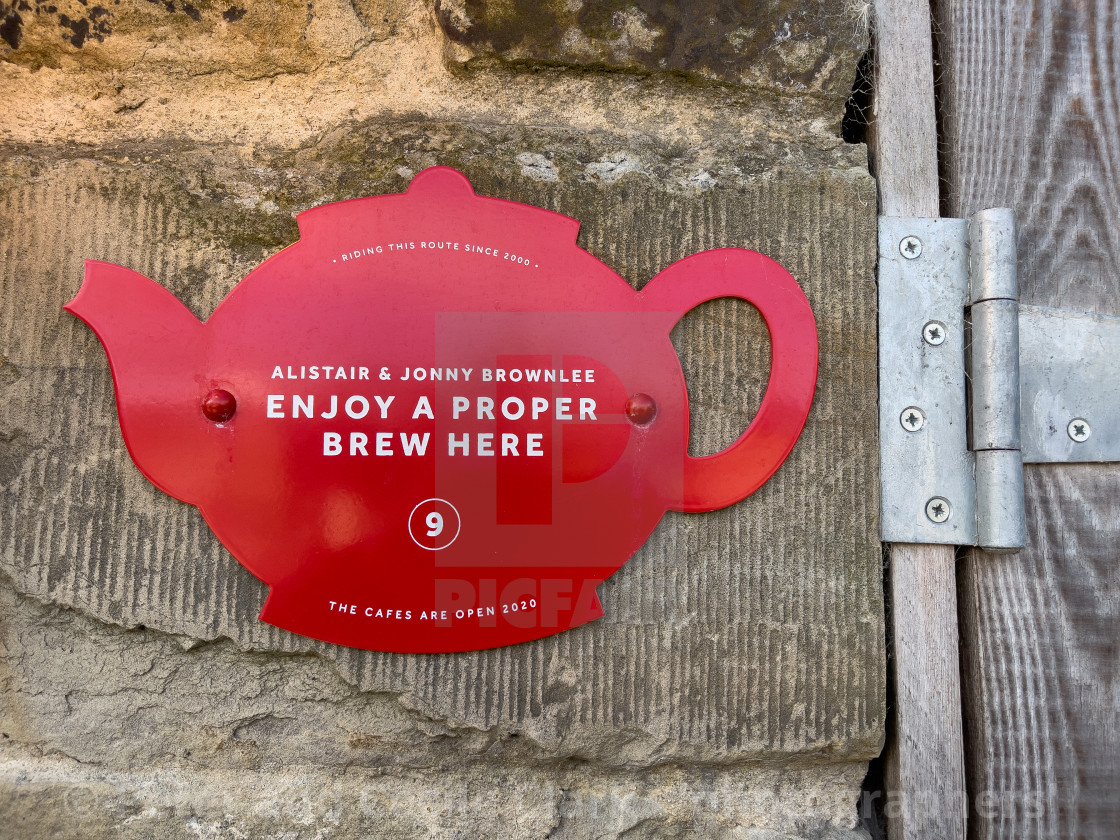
[458, 519]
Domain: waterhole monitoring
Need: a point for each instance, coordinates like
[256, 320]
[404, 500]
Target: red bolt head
[219, 405]
[641, 409]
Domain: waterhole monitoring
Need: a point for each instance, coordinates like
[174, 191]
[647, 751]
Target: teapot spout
[153, 343]
[123, 306]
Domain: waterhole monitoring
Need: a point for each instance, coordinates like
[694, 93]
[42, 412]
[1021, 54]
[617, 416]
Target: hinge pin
[994, 294]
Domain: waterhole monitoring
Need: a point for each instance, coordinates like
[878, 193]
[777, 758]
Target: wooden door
[1028, 117]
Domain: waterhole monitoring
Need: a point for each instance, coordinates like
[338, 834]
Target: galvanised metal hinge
[972, 384]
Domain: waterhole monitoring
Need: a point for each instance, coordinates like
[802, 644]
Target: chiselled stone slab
[784, 46]
[756, 631]
[780, 44]
[115, 733]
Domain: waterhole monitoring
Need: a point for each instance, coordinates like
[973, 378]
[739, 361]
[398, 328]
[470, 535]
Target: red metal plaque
[435, 423]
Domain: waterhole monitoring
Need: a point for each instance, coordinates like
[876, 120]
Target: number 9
[435, 524]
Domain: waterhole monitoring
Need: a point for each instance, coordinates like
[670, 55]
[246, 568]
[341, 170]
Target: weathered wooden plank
[1031, 96]
[924, 758]
[905, 124]
[925, 761]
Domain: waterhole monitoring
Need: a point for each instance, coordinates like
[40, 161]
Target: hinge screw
[910, 247]
[934, 333]
[912, 418]
[938, 509]
[1079, 429]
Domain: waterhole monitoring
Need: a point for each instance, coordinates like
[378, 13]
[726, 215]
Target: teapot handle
[715, 481]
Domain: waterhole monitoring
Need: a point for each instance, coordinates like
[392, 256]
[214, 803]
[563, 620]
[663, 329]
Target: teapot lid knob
[443, 179]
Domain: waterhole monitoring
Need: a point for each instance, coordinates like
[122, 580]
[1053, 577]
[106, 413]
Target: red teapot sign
[435, 423]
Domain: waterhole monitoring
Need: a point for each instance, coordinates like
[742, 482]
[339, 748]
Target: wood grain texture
[905, 124]
[924, 756]
[1031, 107]
[754, 632]
[925, 762]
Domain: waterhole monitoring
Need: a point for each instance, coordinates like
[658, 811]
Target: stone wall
[735, 687]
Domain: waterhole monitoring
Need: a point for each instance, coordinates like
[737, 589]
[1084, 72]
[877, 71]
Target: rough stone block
[735, 687]
[113, 733]
[749, 632]
[783, 46]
